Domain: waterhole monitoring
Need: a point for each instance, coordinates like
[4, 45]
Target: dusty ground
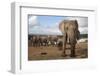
[50, 52]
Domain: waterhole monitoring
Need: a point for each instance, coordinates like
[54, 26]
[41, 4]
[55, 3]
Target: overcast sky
[49, 25]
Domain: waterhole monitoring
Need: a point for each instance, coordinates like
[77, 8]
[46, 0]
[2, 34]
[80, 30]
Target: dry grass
[50, 52]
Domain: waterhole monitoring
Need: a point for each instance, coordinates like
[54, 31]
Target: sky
[49, 25]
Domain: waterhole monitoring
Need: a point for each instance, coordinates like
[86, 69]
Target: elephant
[30, 39]
[59, 44]
[34, 41]
[54, 41]
[70, 31]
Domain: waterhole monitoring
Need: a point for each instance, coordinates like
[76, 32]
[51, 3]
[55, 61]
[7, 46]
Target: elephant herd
[37, 41]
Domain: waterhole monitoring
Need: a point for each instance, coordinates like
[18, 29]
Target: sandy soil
[50, 52]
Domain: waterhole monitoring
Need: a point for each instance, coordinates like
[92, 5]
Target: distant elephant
[54, 41]
[59, 44]
[69, 29]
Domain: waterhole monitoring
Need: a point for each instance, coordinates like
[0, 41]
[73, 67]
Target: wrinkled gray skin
[69, 29]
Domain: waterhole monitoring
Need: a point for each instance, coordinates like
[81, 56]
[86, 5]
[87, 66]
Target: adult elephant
[69, 29]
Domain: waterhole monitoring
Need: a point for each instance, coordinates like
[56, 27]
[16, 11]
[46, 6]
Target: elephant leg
[73, 50]
[64, 44]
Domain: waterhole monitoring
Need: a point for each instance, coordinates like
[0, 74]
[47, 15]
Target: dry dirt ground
[51, 53]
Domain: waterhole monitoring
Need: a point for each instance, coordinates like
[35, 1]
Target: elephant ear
[61, 26]
[78, 35]
[78, 32]
[76, 23]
